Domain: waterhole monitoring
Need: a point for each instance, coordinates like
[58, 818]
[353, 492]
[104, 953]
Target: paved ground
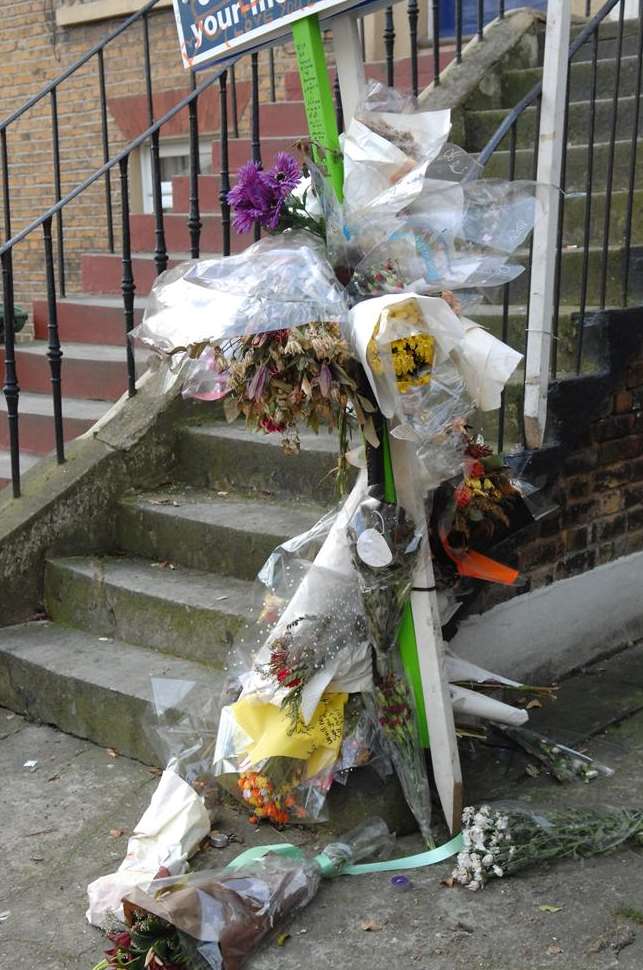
[56, 834]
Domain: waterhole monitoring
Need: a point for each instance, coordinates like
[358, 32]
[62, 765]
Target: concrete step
[498, 165]
[490, 316]
[571, 276]
[226, 456]
[607, 41]
[177, 234]
[184, 612]
[87, 319]
[480, 126]
[208, 193]
[86, 686]
[37, 420]
[26, 462]
[226, 534]
[102, 272]
[93, 371]
[619, 205]
[517, 83]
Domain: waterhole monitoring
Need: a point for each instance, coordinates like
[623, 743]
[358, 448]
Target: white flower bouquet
[503, 838]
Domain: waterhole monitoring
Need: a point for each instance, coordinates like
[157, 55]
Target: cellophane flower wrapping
[562, 762]
[290, 728]
[280, 282]
[228, 912]
[503, 838]
[417, 216]
[311, 629]
[385, 546]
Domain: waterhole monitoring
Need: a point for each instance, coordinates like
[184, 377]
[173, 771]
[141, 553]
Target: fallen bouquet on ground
[214, 920]
[503, 838]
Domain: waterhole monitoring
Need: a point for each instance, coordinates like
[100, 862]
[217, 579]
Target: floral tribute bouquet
[385, 545]
[149, 942]
[563, 763]
[293, 332]
[269, 198]
[287, 379]
[220, 916]
[501, 839]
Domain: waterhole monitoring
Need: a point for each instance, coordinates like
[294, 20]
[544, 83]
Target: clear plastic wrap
[279, 770]
[312, 630]
[385, 546]
[563, 763]
[184, 730]
[280, 282]
[505, 837]
[226, 913]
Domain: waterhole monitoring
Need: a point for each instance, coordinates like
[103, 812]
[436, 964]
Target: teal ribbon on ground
[329, 869]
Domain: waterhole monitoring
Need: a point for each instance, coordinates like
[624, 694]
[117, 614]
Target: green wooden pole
[322, 127]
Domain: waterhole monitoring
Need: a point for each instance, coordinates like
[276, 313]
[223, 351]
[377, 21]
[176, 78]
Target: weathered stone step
[498, 165]
[86, 686]
[218, 455]
[619, 205]
[184, 612]
[480, 126]
[571, 277]
[225, 534]
[517, 83]
[101, 691]
[491, 317]
[607, 40]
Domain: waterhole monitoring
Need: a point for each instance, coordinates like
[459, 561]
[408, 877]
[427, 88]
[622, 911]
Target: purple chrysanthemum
[252, 198]
[285, 173]
[259, 196]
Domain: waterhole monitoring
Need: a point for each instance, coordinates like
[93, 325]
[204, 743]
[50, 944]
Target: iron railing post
[54, 353]
[194, 220]
[55, 142]
[11, 388]
[224, 178]
[104, 127]
[128, 286]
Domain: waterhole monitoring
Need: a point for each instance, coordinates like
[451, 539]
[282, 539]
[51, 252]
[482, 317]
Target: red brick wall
[33, 51]
[594, 467]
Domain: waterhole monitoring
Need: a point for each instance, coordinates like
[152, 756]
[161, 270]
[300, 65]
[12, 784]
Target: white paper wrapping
[459, 669]
[479, 705]
[169, 832]
[351, 670]
[484, 362]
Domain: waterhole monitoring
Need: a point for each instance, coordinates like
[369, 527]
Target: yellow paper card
[272, 733]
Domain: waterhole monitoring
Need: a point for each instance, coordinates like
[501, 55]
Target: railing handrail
[87, 56]
[117, 159]
[535, 92]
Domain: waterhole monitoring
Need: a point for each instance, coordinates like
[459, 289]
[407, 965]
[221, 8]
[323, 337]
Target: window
[175, 160]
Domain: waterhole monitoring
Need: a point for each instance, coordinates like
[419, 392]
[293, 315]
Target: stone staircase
[168, 596]
[91, 322]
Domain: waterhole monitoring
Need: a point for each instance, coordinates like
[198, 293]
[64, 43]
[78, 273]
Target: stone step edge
[108, 697]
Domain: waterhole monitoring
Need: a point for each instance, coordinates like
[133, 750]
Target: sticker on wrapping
[373, 549]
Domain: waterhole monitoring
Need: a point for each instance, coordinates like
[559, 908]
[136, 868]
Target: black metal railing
[234, 120]
[114, 172]
[599, 250]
